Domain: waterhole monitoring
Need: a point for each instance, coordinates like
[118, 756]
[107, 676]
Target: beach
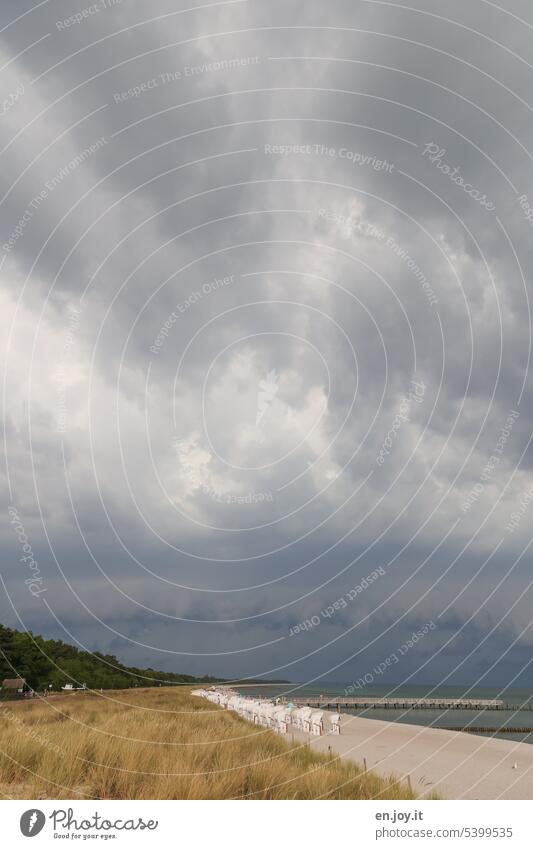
[454, 765]
[162, 743]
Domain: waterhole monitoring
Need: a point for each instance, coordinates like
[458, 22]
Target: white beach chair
[335, 723]
[296, 718]
[306, 720]
[270, 714]
[263, 713]
[317, 724]
[273, 718]
[280, 723]
[288, 714]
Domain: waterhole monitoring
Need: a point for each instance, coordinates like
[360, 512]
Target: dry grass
[162, 744]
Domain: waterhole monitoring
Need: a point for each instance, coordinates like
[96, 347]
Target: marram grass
[163, 743]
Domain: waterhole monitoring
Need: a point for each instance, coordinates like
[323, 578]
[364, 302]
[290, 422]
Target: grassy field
[162, 744]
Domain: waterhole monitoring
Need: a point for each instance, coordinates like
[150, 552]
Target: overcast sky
[265, 282]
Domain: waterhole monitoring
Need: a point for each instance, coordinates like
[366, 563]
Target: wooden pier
[481, 729]
[360, 702]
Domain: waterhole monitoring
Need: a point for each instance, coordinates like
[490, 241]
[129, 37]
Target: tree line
[43, 662]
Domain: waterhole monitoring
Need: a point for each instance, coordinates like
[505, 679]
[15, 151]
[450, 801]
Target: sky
[266, 336]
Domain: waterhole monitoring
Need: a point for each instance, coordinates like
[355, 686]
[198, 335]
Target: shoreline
[453, 764]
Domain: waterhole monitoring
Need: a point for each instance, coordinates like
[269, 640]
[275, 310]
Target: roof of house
[13, 682]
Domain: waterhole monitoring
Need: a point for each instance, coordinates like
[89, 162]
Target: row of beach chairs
[278, 718]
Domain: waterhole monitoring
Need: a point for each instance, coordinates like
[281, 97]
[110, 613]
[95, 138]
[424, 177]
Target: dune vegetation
[162, 743]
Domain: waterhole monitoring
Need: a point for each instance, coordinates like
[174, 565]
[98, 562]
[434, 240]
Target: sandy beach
[455, 765]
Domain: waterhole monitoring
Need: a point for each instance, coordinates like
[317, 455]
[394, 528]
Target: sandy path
[455, 765]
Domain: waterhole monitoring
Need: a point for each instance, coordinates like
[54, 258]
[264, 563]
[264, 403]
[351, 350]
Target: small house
[14, 686]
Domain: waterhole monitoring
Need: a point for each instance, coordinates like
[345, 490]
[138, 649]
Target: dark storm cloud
[235, 276]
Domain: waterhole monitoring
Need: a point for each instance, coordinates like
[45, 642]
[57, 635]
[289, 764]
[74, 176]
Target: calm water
[521, 718]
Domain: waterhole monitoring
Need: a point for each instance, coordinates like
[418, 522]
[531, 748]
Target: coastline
[454, 765]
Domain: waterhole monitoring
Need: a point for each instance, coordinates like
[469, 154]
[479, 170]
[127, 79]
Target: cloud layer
[266, 329]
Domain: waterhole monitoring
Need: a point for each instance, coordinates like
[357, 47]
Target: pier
[481, 729]
[360, 702]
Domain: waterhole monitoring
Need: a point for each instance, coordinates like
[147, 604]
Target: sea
[519, 714]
